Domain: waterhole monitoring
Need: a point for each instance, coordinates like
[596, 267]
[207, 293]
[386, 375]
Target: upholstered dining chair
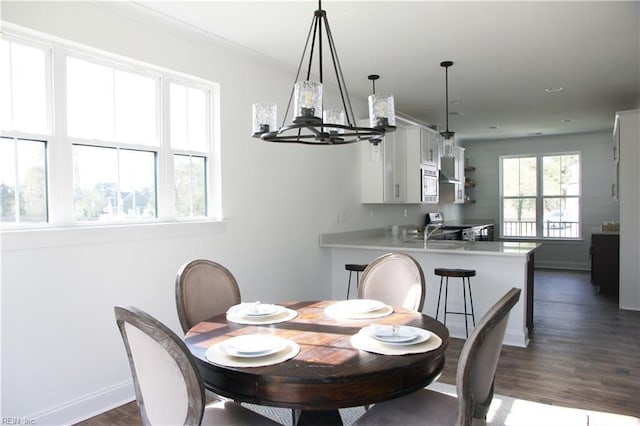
[396, 279]
[204, 289]
[168, 386]
[474, 380]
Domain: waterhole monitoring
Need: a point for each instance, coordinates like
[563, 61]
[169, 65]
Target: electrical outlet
[340, 217]
[406, 213]
[370, 213]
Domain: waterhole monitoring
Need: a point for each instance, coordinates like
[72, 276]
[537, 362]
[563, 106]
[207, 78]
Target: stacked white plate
[252, 350]
[259, 313]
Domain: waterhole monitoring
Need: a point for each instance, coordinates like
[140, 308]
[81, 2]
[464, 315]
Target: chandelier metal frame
[309, 129]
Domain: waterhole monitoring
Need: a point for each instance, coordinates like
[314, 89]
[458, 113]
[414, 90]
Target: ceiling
[505, 55]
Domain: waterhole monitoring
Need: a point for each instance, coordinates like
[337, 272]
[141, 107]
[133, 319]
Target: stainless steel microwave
[429, 176]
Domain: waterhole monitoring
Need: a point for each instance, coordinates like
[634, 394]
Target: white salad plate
[254, 345]
[405, 335]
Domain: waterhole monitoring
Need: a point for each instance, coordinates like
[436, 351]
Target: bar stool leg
[446, 299]
[464, 298]
[473, 315]
[349, 284]
[440, 294]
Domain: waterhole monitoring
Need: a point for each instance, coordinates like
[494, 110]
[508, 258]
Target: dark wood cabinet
[605, 262]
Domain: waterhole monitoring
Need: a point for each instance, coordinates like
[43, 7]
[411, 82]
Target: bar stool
[456, 273]
[352, 267]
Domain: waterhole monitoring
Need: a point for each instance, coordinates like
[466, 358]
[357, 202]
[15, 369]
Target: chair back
[167, 385]
[479, 358]
[395, 279]
[204, 289]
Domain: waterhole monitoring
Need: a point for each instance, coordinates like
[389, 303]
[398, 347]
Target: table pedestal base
[317, 417]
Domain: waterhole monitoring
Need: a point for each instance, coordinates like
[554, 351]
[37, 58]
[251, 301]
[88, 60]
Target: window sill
[51, 236]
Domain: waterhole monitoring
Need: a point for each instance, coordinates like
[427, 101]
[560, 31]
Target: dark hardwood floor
[584, 353]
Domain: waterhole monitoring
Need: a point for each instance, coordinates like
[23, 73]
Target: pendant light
[310, 123]
[447, 134]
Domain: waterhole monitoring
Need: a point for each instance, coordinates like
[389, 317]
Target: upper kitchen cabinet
[390, 170]
[452, 177]
[429, 144]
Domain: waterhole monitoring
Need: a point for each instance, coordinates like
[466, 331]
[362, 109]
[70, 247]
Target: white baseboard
[87, 406]
[511, 337]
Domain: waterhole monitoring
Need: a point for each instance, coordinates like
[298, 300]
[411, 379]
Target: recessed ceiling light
[554, 89]
[494, 127]
[568, 120]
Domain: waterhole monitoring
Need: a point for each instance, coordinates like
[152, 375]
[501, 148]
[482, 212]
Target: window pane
[519, 177]
[113, 184]
[135, 108]
[24, 87]
[190, 181]
[89, 100]
[188, 118]
[8, 181]
[561, 218]
[197, 119]
[178, 123]
[519, 217]
[23, 181]
[6, 117]
[561, 175]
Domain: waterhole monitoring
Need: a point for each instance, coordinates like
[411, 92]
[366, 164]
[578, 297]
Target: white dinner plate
[359, 306]
[407, 335]
[253, 345]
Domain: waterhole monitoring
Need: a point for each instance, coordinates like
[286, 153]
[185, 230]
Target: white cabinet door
[390, 171]
[429, 146]
[395, 167]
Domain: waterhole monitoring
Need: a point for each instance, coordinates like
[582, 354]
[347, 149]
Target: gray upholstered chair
[474, 381]
[204, 289]
[395, 279]
[168, 387]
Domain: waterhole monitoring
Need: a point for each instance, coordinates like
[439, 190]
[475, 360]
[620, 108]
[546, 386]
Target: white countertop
[382, 239]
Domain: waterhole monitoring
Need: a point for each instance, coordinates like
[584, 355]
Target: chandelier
[447, 134]
[311, 124]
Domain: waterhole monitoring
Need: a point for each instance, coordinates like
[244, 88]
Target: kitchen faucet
[427, 233]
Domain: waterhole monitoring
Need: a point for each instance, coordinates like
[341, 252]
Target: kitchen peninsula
[500, 265]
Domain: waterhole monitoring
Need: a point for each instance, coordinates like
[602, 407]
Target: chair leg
[349, 284]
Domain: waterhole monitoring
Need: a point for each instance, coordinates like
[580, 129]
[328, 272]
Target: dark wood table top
[328, 373]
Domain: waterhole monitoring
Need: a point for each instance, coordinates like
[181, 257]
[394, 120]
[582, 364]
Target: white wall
[62, 357]
[597, 177]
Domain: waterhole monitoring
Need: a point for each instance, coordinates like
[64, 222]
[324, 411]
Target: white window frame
[539, 197]
[59, 146]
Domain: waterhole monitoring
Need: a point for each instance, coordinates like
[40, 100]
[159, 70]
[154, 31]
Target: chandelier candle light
[310, 124]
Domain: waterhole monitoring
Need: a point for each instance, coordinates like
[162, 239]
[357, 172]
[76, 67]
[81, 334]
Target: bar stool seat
[357, 268]
[456, 273]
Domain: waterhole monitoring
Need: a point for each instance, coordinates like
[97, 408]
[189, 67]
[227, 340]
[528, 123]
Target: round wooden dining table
[329, 372]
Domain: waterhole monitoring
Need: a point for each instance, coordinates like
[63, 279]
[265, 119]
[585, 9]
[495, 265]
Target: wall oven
[429, 179]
